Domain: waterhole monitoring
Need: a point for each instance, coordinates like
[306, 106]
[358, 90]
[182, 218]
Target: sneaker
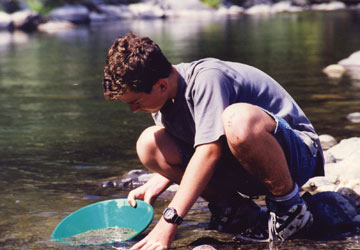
[284, 225]
[257, 233]
[233, 216]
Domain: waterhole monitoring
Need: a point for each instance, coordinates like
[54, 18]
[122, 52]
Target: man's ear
[163, 85]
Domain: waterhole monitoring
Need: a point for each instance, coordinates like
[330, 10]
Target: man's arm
[150, 190]
[196, 177]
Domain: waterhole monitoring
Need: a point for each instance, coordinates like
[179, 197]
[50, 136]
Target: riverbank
[61, 18]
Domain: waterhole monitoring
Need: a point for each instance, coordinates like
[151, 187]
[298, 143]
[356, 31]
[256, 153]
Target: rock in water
[327, 141]
[354, 117]
[333, 215]
[334, 70]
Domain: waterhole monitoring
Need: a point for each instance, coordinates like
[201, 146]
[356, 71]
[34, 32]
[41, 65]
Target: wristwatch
[171, 216]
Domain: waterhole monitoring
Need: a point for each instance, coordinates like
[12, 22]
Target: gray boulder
[72, 13]
[346, 148]
[329, 158]
[146, 11]
[319, 184]
[115, 12]
[130, 180]
[351, 195]
[179, 5]
[334, 71]
[334, 215]
[54, 27]
[342, 170]
[327, 141]
[352, 65]
[26, 20]
[6, 22]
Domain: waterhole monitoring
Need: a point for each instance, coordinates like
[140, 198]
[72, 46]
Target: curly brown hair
[133, 63]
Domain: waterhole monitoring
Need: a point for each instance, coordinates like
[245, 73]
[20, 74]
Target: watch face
[169, 213]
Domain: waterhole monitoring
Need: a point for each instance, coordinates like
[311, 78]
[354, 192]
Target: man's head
[133, 64]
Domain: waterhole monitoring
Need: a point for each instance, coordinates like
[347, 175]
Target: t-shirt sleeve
[211, 94]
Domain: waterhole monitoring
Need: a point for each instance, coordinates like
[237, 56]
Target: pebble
[334, 71]
[327, 141]
[354, 117]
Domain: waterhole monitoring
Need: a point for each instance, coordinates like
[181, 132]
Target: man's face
[148, 103]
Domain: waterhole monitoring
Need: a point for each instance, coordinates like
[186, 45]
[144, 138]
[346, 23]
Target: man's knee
[146, 144]
[155, 147]
[243, 122]
[238, 121]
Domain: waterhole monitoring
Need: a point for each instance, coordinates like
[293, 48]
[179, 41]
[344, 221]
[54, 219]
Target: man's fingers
[131, 199]
[139, 245]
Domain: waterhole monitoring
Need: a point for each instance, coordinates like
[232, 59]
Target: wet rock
[261, 9]
[352, 60]
[319, 184]
[333, 213]
[229, 10]
[300, 3]
[96, 17]
[351, 194]
[329, 158]
[10, 6]
[56, 27]
[71, 13]
[116, 12]
[179, 5]
[354, 117]
[335, 5]
[346, 148]
[130, 180]
[342, 171]
[26, 20]
[334, 70]
[6, 22]
[204, 247]
[146, 11]
[352, 65]
[327, 141]
[345, 170]
[285, 6]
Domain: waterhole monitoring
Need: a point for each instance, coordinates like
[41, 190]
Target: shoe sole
[250, 240]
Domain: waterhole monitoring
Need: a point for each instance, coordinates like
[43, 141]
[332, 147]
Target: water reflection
[59, 138]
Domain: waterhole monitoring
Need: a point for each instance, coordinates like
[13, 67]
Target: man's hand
[149, 191]
[159, 238]
[193, 183]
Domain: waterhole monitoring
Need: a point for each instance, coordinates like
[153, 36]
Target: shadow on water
[59, 138]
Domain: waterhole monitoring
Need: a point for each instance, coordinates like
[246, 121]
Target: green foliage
[212, 3]
[45, 6]
[38, 6]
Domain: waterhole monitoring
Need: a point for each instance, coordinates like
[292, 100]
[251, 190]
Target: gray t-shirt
[206, 87]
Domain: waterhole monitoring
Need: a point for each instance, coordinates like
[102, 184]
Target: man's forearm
[158, 183]
[196, 177]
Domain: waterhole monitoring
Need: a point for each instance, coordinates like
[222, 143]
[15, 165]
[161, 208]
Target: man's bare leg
[230, 212]
[159, 153]
[249, 135]
[248, 130]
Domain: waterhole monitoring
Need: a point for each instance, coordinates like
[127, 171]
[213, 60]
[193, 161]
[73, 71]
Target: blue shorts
[303, 164]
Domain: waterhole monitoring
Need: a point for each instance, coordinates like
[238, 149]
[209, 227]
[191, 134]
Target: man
[223, 130]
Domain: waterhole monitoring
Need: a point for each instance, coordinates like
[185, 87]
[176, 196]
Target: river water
[59, 138]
